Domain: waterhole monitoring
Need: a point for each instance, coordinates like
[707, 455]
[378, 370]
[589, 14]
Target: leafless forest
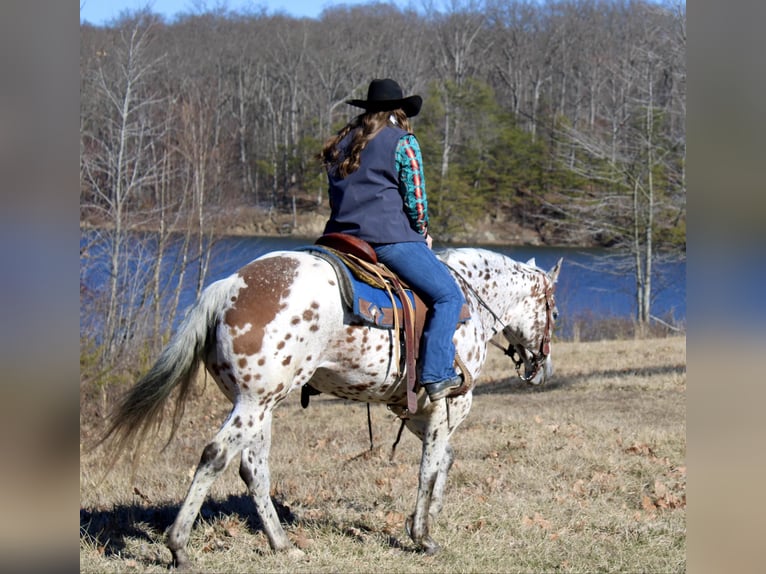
[564, 119]
[551, 114]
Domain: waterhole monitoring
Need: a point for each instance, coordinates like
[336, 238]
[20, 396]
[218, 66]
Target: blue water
[591, 283]
[587, 286]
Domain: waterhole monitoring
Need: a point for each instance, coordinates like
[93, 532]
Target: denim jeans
[419, 267]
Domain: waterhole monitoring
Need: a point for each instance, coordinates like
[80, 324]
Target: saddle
[371, 278]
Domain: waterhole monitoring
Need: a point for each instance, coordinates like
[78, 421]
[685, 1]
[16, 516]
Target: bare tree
[457, 50]
[630, 161]
[118, 170]
[513, 59]
[199, 144]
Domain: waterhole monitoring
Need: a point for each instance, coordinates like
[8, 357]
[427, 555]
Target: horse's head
[529, 340]
[517, 296]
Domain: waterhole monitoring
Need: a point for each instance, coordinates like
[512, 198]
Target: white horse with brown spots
[279, 323]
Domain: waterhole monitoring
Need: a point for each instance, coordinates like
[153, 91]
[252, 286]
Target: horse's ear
[553, 274]
[531, 262]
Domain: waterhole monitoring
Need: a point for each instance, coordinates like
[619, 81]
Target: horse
[279, 323]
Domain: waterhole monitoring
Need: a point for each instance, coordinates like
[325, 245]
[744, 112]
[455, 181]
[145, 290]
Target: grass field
[585, 475]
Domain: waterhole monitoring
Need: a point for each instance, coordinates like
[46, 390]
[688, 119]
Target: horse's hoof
[181, 561]
[426, 544]
[430, 547]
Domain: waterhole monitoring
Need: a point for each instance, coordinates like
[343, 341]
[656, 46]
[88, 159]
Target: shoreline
[311, 226]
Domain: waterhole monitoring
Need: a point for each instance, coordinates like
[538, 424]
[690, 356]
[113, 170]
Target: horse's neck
[498, 285]
[511, 291]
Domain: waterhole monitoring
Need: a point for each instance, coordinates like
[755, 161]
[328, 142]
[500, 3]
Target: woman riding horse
[378, 193]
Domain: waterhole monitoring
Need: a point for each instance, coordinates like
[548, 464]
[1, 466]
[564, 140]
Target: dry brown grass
[585, 475]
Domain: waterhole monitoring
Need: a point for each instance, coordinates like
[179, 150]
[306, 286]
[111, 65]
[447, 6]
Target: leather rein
[516, 351]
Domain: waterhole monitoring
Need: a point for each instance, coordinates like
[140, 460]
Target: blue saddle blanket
[370, 304]
[374, 305]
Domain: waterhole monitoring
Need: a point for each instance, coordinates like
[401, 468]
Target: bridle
[516, 351]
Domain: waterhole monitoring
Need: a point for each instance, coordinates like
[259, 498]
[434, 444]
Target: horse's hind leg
[230, 440]
[254, 470]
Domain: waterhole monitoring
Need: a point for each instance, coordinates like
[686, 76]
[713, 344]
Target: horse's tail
[141, 408]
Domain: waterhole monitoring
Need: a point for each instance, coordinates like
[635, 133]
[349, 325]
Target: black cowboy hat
[386, 95]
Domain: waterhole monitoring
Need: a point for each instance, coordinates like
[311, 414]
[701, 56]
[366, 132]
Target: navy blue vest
[367, 203]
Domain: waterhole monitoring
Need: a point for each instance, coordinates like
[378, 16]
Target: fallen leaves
[394, 522]
[141, 495]
[301, 539]
[663, 497]
[641, 449]
[536, 520]
[668, 493]
[231, 528]
[476, 525]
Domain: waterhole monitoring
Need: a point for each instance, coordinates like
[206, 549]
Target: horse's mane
[445, 254]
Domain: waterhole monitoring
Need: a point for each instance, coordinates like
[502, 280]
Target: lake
[587, 289]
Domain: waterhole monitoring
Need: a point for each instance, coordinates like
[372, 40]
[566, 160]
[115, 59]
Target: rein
[514, 350]
[545, 343]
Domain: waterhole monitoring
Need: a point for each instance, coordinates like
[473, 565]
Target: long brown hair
[367, 126]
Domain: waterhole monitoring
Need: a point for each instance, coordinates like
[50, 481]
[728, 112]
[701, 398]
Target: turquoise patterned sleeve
[412, 182]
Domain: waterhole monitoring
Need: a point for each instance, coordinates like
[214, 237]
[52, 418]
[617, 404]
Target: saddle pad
[374, 305]
[370, 304]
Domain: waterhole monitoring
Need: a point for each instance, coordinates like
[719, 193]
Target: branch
[668, 325]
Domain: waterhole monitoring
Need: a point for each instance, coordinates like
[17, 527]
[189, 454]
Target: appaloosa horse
[279, 323]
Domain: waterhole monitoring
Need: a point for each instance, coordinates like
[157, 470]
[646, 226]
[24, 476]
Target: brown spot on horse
[267, 284]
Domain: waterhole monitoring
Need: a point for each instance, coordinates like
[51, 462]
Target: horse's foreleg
[432, 461]
[229, 441]
[254, 470]
[437, 498]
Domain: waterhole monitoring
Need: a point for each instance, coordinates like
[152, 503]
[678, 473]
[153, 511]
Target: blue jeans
[419, 267]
